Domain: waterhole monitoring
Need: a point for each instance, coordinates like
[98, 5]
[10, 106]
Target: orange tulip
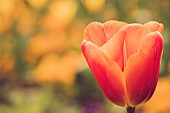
[125, 59]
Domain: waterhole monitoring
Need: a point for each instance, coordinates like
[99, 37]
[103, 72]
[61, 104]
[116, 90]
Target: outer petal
[107, 73]
[159, 57]
[142, 69]
[112, 27]
[95, 33]
[154, 26]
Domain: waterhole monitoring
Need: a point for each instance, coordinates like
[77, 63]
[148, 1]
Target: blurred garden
[42, 69]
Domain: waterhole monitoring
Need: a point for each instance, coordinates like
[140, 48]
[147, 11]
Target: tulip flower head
[124, 59]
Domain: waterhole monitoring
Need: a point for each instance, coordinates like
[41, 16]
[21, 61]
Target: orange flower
[125, 59]
[53, 69]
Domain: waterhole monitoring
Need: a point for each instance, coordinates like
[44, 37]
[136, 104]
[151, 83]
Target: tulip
[124, 59]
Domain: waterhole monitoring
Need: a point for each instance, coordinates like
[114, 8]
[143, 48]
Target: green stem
[131, 109]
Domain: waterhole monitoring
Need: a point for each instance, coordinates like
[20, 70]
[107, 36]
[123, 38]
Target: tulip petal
[142, 69]
[99, 33]
[107, 73]
[134, 35]
[154, 26]
[159, 57]
[112, 27]
[95, 33]
[114, 48]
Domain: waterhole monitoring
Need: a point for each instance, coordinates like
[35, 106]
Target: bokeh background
[42, 69]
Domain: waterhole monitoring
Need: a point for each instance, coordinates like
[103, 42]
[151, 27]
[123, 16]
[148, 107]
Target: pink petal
[154, 26]
[107, 73]
[142, 69]
[112, 27]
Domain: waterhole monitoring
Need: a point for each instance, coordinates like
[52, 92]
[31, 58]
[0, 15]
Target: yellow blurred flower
[6, 15]
[42, 44]
[15, 11]
[6, 64]
[25, 21]
[37, 4]
[62, 12]
[93, 6]
[53, 69]
[6, 7]
[5, 23]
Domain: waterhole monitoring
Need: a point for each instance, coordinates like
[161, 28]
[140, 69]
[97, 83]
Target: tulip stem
[130, 109]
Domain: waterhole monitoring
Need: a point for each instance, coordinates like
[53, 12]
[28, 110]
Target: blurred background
[42, 69]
